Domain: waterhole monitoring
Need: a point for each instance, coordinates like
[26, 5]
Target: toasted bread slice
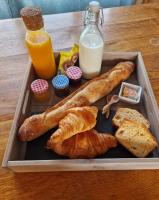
[136, 137]
[127, 113]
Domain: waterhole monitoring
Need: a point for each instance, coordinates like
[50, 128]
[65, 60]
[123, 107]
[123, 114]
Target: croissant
[77, 120]
[88, 144]
[87, 94]
[75, 137]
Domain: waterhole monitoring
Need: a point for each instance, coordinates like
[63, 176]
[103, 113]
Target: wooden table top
[125, 29]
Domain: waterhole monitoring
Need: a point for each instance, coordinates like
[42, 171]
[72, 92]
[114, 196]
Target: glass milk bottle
[91, 43]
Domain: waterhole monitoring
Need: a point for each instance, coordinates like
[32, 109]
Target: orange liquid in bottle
[40, 49]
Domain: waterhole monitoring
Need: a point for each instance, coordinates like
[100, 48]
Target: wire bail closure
[88, 13]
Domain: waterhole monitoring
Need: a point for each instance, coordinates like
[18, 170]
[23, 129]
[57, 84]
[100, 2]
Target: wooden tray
[33, 156]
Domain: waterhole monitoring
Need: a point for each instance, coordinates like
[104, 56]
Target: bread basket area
[32, 156]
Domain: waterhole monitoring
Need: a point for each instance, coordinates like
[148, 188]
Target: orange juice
[40, 49]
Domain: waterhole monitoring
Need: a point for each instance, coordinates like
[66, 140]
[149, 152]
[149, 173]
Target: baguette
[87, 94]
[136, 137]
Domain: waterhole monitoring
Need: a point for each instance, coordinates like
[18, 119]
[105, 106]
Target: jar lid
[74, 72]
[32, 18]
[39, 86]
[60, 82]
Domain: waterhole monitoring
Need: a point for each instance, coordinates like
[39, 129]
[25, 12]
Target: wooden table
[125, 29]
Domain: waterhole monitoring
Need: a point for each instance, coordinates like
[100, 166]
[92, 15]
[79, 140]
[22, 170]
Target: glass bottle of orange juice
[38, 43]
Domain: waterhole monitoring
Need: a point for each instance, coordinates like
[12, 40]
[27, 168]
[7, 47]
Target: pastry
[88, 144]
[75, 137]
[77, 120]
[87, 94]
[136, 137]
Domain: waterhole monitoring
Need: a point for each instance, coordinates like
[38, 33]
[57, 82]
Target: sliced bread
[128, 113]
[136, 137]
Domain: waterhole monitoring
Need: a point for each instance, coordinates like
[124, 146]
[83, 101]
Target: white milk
[91, 48]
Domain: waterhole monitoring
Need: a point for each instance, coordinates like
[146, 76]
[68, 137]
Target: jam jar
[61, 85]
[74, 74]
[40, 89]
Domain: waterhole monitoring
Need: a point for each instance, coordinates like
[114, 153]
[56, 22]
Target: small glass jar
[40, 89]
[74, 74]
[61, 85]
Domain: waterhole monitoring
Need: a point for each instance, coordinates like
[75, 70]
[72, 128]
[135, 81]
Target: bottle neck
[37, 36]
[92, 18]
[38, 30]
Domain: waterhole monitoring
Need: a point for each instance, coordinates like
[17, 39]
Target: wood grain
[150, 1]
[125, 29]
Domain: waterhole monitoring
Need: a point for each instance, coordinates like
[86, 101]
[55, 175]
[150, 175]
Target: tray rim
[85, 164]
[90, 164]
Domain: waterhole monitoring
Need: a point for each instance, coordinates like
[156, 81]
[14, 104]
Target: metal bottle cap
[32, 18]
